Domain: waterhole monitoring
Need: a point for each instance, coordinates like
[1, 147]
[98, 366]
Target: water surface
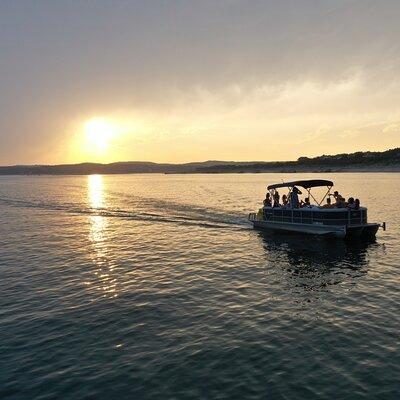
[156, 287]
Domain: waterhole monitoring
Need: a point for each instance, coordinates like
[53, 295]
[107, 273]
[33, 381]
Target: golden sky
[183, 81]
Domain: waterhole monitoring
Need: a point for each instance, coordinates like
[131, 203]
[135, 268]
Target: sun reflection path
[95, 190]
[105, 280]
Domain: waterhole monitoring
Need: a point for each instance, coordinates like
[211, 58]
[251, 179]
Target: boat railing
[311, 216]
[252, 216]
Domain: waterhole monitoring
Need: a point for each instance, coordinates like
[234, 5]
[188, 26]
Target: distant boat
[344, 222]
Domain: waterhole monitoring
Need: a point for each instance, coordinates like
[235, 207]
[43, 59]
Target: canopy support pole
[326, 194]
[309, 194]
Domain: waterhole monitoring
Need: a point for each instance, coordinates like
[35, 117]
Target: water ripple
[155, 287]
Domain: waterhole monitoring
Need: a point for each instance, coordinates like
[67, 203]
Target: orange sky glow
[195, 81]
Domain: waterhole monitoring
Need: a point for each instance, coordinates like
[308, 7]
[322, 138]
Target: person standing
[276, 199]
[294, 197]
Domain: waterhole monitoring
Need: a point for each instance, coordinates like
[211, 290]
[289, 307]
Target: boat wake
[146, 210]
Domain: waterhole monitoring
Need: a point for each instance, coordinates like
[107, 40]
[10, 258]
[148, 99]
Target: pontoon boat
[314, 219]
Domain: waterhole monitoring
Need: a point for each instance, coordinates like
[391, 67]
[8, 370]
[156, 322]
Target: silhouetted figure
[276, 199]
[356, 204]
[294, 197]
[351, 203]
[340, 201]
[285, 200]
[336, 195]
[328, 203]
[306, 202]
[267, 200]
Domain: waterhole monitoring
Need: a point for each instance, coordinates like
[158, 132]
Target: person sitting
[338, 198]
[306, 202]
[285, 201]
[336, 195]
[356, 204]
[276, 199]
[328, 203]
[341, 202]
[351, 203]
[267, 200]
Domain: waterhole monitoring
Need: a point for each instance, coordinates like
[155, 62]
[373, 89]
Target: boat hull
[364, 231]
[320, 230]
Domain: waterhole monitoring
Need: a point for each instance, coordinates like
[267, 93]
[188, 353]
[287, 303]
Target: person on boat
[276, 199]
[351, 203]
[336, 195]
[341, 202]
[338, 199]
[294, 197]
[356, 204]
[267, 200]
[285, 202]
[306, 202]
[328, 203]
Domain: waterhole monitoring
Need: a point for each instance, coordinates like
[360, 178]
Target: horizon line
[193, 162]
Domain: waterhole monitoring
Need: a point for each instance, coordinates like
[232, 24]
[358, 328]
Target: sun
[101, 138]
[98, 134]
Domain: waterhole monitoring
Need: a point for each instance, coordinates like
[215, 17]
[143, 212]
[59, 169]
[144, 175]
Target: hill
[360, 161]
[388, 160]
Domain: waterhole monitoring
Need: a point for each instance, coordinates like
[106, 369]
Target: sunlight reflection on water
[95, 190]
[97, 236]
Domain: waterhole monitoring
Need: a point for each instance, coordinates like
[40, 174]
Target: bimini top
[307, 184]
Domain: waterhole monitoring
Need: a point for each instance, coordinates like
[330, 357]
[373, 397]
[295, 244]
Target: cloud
[212, 72]
[392, 128]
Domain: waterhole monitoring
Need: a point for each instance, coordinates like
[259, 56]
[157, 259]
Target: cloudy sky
[182, 80]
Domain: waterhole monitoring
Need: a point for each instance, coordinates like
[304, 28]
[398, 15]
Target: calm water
[155, 287]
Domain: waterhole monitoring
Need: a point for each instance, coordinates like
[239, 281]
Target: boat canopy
[307, 184]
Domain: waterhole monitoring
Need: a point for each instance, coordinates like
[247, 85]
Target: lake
[156, 287]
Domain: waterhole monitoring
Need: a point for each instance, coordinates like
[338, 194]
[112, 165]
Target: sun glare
[98, 133]
[101, 139]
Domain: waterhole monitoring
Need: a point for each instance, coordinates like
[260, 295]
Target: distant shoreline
[288, 171]
[385, 161]
[313, 170]
[322, 170]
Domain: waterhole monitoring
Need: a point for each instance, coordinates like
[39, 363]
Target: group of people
[340, 202]
[293, 201]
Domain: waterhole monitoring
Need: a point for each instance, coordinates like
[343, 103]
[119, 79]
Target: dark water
[155, 287]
